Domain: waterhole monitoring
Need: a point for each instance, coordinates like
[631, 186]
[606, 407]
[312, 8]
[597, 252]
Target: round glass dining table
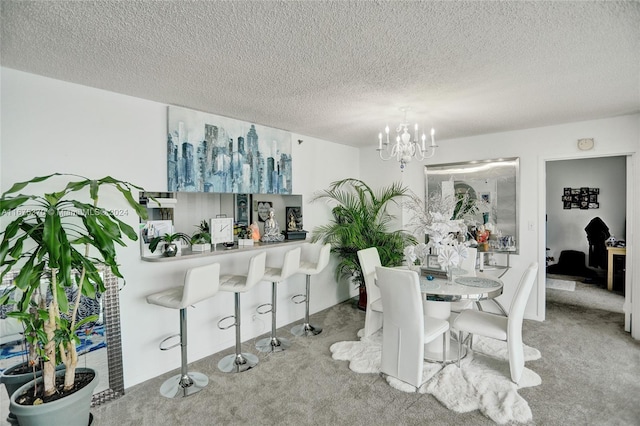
[438, 293]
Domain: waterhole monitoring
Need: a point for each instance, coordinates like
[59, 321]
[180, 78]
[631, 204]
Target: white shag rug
[561, 284]
[483, 381]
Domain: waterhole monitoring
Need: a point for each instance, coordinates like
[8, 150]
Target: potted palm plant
[55, 241]
[361, 220]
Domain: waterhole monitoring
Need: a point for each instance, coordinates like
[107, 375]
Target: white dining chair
[506, 328]
[406, 328]
[370, 259]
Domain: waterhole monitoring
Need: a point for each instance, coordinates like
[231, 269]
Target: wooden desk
[613, 251]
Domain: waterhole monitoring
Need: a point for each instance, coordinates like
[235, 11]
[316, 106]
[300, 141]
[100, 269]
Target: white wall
[565, 227]
[613, 136]
[50, 125]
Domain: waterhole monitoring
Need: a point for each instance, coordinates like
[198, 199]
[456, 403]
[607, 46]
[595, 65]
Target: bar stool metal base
[180, 386]
[305, 330]
[273, 344]
[237, 363]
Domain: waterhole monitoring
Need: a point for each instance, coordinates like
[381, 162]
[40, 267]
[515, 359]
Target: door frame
[631, 309]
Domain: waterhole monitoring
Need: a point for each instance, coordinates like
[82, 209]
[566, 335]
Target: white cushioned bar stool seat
[240, 361]
[310, 267]
[200, 283]
[290, 266]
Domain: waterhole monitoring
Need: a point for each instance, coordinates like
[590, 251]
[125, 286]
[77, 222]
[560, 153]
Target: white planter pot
[72, 410]
[201, 247]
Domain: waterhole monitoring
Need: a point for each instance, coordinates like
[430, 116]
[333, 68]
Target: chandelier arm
[390, 155]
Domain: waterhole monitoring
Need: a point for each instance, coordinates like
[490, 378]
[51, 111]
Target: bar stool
[200, 283]
[240, 361]
[276, 275]
[310, 267]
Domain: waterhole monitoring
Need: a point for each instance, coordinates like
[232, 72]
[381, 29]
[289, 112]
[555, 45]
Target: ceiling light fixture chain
[405, 148]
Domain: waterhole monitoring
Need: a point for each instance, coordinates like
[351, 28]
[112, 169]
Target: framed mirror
[489, 189]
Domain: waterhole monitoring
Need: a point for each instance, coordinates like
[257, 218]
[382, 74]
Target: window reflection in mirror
[490, 188]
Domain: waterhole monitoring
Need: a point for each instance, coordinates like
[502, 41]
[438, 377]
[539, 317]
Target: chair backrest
[469, 264]
[257, 265]
[291, 263]
[200, 283]
[403, 330]
[323, 257]
[314, 258]
[514, 322]
[519, 302]
[370, 259]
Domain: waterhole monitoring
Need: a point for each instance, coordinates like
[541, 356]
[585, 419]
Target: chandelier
[405, 146]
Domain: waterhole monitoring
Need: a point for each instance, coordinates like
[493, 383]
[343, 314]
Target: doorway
[586, 205]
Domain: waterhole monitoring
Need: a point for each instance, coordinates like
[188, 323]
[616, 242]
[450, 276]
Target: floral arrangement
[442, 221]
[448, 257]
[416, 254]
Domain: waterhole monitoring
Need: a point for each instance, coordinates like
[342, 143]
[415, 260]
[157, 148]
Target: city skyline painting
[211, 153]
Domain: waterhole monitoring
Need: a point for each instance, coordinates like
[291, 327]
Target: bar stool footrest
[262, 306]
[166, 348]
[299, 298]
[227, 326]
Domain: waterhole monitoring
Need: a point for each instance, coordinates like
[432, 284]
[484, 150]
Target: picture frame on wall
[580, 198]
[243, 212]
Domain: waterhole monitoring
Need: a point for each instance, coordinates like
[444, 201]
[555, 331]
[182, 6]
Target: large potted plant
[361, 220]
[58, 240]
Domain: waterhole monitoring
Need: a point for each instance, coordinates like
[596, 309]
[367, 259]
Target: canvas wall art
[211, 153]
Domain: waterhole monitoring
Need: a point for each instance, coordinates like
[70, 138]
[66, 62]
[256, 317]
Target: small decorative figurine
[271, 229]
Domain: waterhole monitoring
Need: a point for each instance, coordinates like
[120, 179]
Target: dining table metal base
[451, 353]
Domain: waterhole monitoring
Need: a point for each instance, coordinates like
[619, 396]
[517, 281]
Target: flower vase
[450, 275]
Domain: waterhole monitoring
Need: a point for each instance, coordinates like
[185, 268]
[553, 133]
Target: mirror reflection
[486, 197]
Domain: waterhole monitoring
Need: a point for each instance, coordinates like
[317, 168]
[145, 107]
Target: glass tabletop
[477, 282]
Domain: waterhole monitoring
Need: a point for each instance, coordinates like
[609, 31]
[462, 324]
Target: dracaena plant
[63, 238]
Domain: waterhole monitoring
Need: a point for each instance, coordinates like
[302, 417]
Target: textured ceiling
[341, 70]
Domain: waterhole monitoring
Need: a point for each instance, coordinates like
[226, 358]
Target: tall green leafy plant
[55, 238]
[361, 220]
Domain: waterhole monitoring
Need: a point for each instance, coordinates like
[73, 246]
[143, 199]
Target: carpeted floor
[565, 285]
[589, 373]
